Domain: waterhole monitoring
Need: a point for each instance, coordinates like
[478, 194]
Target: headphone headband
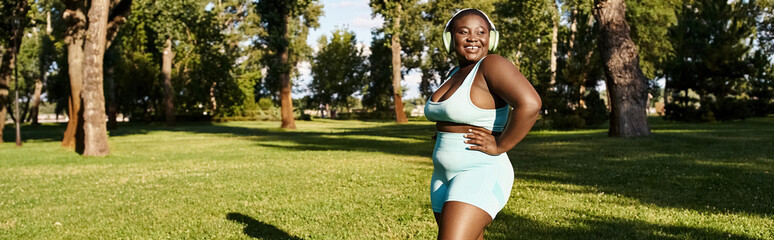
[460, 11]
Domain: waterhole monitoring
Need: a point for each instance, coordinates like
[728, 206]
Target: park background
[302, 119]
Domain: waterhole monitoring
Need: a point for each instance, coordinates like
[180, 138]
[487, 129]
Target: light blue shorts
[469, 176]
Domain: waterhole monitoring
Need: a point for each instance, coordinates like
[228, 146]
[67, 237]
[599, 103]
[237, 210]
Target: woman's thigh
[460, 220]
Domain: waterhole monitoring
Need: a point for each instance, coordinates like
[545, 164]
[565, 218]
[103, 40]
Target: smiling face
[470, 34]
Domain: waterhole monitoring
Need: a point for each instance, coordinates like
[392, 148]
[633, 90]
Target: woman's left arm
[505, 80]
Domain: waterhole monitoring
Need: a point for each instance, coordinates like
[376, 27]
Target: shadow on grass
[507, 226]
[258, 229]
[712, 168]
[404, 139]
[48, 132]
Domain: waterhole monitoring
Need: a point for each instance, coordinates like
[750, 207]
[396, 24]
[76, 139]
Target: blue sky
[354, 15]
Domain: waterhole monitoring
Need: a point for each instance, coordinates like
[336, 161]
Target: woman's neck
[462, 62]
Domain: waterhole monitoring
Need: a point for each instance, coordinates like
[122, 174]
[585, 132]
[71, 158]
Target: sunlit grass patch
[369, 180]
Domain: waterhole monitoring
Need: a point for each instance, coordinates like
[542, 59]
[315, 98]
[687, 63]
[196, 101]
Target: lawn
[369, 180]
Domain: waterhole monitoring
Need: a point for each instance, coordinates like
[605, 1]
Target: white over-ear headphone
[494, 35]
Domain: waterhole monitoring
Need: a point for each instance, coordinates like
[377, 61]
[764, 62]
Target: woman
[472, 176]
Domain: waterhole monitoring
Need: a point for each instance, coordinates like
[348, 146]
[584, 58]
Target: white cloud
[413, 77]
[304, 68]
[365, 48]
[368, 23]
[303, 80]
[361, 3]
[412, 80]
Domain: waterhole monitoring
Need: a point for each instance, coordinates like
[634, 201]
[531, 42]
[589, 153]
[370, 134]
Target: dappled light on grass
[369, 180]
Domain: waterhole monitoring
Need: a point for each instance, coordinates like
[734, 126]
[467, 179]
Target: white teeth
[471, 47]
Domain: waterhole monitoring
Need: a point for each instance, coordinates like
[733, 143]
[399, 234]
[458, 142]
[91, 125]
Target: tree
[11, 34]
[712, 60]
[393, 12]
[575, 102]
[526, 33]
[38, 53]
[338, 69]
[170, 21]
[378, 89]
[650, 21]
[95, 125]
[211, 73]
[554, 40]
[79, 37]
[626, 84]
[239, 24]
[287, 24]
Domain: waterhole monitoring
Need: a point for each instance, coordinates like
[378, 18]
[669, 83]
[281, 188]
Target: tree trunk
[8, 63]
[94, 127]
[119, 13]
[586, 61]
[76, 23]
[626, 84]
[73, 137]
[3, 112]
[5, 70]
[35, 104]
[573, 30]
[400, 116]
[23, 108]
[166, 71]
[286, 100]
[49, 29]
[554, 43]
[213, 100]
[112, 107]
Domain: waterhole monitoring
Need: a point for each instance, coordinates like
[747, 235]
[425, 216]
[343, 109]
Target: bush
[679, 112]
[566, 121]
[761, 108]
[732, 109]
[595, 112]
[375, 115]
[724, 110]
[265, 104]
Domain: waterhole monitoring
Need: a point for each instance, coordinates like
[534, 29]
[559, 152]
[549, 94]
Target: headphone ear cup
[447, 41]
[494, 39]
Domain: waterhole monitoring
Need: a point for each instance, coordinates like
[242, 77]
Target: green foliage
[761, 84]
[377, 94]
[38, 52]
[650, 21]
[285, 25]
[338, 70]
[207, 77]
[574, 101]
[265, 103]
[10, 13]
[713, 59]
[409, 33]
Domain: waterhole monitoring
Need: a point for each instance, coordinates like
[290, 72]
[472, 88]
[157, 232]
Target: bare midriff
[460, 128]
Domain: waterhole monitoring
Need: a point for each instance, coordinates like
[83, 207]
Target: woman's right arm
[505, 80]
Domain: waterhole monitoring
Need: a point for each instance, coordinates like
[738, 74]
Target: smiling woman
[472, 175]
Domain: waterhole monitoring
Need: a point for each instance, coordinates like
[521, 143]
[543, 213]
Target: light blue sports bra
[458, 108]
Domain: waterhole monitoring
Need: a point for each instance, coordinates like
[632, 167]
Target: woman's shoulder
[496, 62]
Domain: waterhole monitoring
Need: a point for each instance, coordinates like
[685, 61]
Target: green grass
[369, 180]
